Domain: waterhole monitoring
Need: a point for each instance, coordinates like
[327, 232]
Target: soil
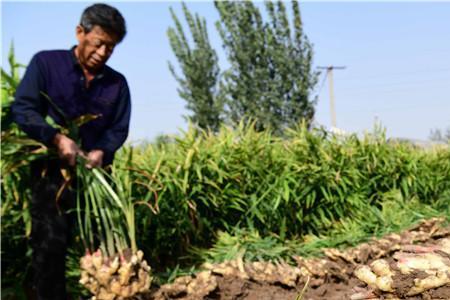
[330, 277]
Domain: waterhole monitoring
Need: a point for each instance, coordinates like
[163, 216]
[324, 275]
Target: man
[78, 82]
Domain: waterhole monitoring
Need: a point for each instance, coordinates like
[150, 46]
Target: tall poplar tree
[199, 65]
[270, 77]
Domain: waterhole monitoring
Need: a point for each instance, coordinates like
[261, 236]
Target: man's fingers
[71, 159]
[82, 154]
[67, 149]
[95, 159]
[92, 163]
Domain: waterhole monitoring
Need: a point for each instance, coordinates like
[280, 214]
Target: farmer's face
[95, 47]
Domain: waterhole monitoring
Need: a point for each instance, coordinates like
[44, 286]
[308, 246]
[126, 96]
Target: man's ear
[79, 32]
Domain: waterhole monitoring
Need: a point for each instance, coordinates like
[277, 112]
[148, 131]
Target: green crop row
[304, 183]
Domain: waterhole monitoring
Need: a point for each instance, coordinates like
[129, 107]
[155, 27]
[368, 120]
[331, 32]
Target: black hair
[105, 16]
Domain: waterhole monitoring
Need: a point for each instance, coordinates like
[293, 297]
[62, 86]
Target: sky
[396, 54]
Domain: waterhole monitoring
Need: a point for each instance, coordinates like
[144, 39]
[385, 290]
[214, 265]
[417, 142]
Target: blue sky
[397, 57]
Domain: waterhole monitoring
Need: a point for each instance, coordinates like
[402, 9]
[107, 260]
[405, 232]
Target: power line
[330, 82]
[384, 75]
[401, 83]
[321, 84]
[397, 108]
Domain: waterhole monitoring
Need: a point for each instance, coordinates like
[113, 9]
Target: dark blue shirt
[58, 74]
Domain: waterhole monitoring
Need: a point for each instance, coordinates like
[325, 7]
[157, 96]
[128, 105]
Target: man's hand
[95, 159]
[67, 148]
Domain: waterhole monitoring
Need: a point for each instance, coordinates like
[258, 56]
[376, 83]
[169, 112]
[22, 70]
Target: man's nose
[102, 51]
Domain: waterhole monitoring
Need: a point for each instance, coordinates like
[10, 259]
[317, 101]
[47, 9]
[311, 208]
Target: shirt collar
[76, 63]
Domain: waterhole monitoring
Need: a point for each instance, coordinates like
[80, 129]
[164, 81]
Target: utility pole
[331, 88]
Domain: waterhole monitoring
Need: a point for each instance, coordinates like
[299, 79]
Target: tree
[270, 77]
[200, 69]
[439, 135]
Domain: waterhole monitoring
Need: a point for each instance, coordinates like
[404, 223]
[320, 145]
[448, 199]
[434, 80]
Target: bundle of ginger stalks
[116, 269]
